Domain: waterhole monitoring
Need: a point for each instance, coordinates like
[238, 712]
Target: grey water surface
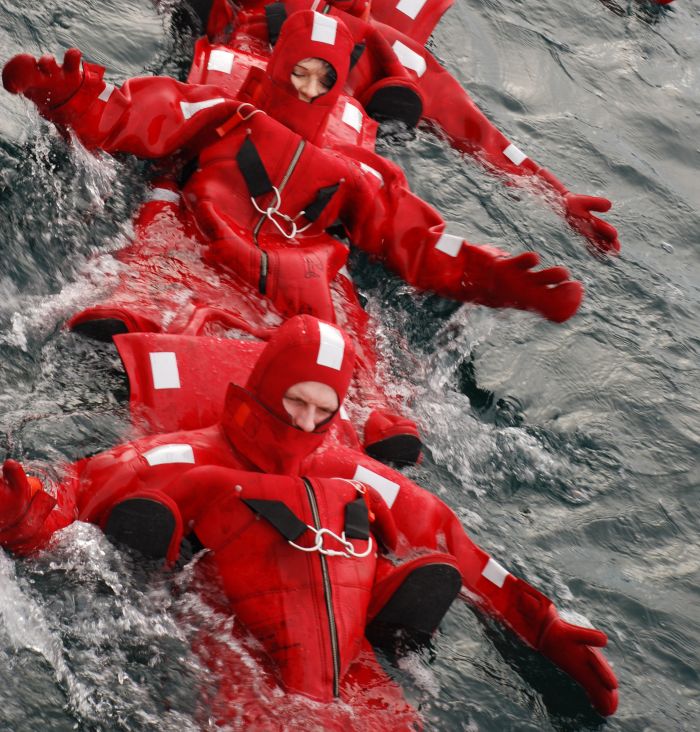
[570, 452]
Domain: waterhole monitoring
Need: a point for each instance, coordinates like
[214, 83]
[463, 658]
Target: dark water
[575, 461]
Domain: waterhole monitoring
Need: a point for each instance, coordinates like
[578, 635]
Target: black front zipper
[327, 592]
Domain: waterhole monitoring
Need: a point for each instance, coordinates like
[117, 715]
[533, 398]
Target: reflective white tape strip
[409, 58]
[164, 370]
[386, 488]
[449, 244]
[495, 573]
[345, 272]
[343, 414]
[410, 7]
[514, 154]
[164, 194]
[189, 109]
[169, 454]
[315, 5]
[372, 171]
[332, 347]
[106, 93]
[352, 117]
[324, 29]
[220, 60]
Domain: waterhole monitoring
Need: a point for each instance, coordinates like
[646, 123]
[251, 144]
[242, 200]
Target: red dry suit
[254, 434]
[263, 195]
[397, 31]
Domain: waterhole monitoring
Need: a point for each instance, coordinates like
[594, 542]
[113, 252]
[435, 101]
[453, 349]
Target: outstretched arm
[28, 515]
[423, 521]
[394, 225]
[149, 117]
[449, 108]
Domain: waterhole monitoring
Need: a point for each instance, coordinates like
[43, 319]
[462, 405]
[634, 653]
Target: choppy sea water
[570, 452]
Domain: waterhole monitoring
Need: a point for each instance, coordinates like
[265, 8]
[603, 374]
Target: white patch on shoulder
[106, 93]
[386, 488]
[166, 454]
[189, 109]
[409, 58]
[352, 117]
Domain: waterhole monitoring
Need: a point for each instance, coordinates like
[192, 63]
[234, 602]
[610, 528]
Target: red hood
[255, 420]
[305, 34]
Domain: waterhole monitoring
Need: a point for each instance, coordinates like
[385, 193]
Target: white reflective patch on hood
[324, 29]
[166, 454]
[411, 8]
[189, 109]
[449, 244]
[163, 194]
[494, 572]
[352, 117]
[386, 488]
[332, 347]
[514, 154]
[164, 370]
[220, 60]
[409, 58]
[343, 413]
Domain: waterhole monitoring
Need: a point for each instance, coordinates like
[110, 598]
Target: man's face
[310, 77]
[310, 404]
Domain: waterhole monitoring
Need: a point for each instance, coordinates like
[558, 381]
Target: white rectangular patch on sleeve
[449, 244]
[163, 194]
[494, 572]
[166, 454]
[189, 109]
[343, 413]
[220, 60]
[331, 348]
[352, 117]
[514, 154]
[164, 370]
[409, 58]
[411, 8]
[106, 93]
[369, 169]
[324, 29]
[386, 488]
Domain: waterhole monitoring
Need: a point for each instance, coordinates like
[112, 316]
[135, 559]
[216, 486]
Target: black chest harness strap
[259, 184]
[282, 518]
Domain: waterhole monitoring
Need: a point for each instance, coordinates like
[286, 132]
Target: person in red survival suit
[185, 480]
[262, 189]
[396, 77]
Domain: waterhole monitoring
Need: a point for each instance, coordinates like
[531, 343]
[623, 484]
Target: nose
[305, 419]
[312, 88]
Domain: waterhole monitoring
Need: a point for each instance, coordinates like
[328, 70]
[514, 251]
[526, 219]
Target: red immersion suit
[396, 77]
[189, 476]
[263, 194]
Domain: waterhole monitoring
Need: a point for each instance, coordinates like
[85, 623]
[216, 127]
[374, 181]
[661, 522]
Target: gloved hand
[15, 493]
[24, 506]
[496, 279]
[575, 650]
[578, 213]
[43, 81]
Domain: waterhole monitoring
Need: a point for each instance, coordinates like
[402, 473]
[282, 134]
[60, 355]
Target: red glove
[43, 81]
[24, 506]
[574, 649]
[578, 213]
[493, 278]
